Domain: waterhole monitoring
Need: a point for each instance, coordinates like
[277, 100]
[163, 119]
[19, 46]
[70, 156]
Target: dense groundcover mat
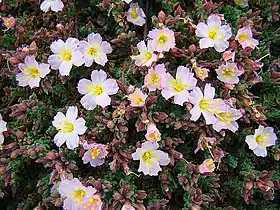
[149, 104]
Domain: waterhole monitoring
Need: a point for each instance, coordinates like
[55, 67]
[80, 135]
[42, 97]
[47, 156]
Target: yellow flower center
[243, 37]
[204, 104]
[148, 158]
[9, 22]
[224, 116]
[155, 78]
[214, 33]
[262, 139]
[147, 56]
[96, 90]
[79, 195]
[93, 51]
[177, 85]
[162, 39]
[32, 71]
[94, 153]
[228, 73]
[66, 55]
[154, 136]
[134, 14]
[66, 127]
[210, 165]
[139, 100]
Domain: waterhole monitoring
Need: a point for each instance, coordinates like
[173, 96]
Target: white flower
[94, 49]
[31, 72]
[69, 127]
[263, 137]
[65, 55]
[136, 15]
[3, 127]
[162, 39]
[54, 5]
[150, 158]
[146, 56]
[97, 90]
[226, 120]
[213, 34]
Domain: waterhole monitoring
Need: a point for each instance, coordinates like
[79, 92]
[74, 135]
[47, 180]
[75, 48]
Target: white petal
[209, 91]
[221, 46]
[167, 93]
[45, 6]
[71, 43]
[111, 87]
[34, 82]
[57, 6]
[209, 117]
[54, 62]
[137, 155]
[195, 112]
[201, 30]
[143, 167]
[58, 118]
[206, 43]
[72, 141]
[213, 20]
[65, 68]
[162, 157]
[155, 169]
[94, 38]
[98, 77]
[150, 146]
[44, 69]
[88, 101]
[106, 47]
[103, 100]
[72, 113]
[260, 151]
[56, 46]
[1, 138]
[196, 95]
[22, 81]
[59, 139]
[77, 58]
[181, 97]
[250, 140]
[101, 59]
[80, 127]
[82, 86]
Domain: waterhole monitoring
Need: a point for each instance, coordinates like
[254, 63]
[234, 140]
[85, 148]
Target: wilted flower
[263, 137]
[162, 39]
[213, 34]
[205, 104]
[150, 158]
[242, 3]
[156, 78]
[226, 120]
[3, 127]
[69, 127]
[136, 15]
[201, 73]
[31, 72]
[179, 87]
[95, 154]
[137, 98]
[227, 55]
[153, 133]
[228, 73]
[245, 38]
[75, 193]
[66, 54]
[94, 49]
[92, 203]
[97, 90]
[9, 22]
[146, 56]
[205, 142]
[207, 166]
[54, 5]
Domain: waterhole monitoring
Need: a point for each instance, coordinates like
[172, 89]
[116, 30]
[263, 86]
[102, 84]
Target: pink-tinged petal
[65, 188]
[209, 91]
[22, 66]
[30, 61]
[96, 162]
[155, 169]
[56, 46]
[162, 157]
[167, 93]
[88, 60]
[44, 69]
[209, 117]
[196, 95]
[206, 43]
[101, 59]
[94, 38]
[71, 43]
[45, 6]
[72, 113]
[22, 81]
[221, 46]
[98, 77]
[72, 141]
[106, 47]
[80, 127]
[54, 62]
[103, 100]
[251, 141]
[88, 101]
[143, 167]
[57, 6]
[219, 125]
[226, 31]
[195, 112]
[142, 46]
[111, 87]
[59, 139]
[181, 97]
[150, 145]
[34, 82]
[65, 68]
[82, 86]
[77, 58]
[260, 151]
[201, 30]
[214, 20]
[83, 45]
[137, 155]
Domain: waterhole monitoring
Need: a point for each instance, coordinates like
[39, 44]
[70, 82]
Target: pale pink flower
[54, 5]
[31, 72]
[263, 137]
[205, 142]
[205, 104]
[9, 22]
[127, 206]
[92, 203]
[156, 78]
[146, 56]
[69, 128]
[150, 158]
[136, 15]
[137, 98]
[75, 193]
[3, 128]
[226, 120]
[227, 55]
[245, 38]
[162, 39]
[213, 34]
[228, 73]
[153, 133]
[97, 90]
[207, 166]
[201, 73]
[95, 154]
[179, 87]
[94, 49]
[66, 54]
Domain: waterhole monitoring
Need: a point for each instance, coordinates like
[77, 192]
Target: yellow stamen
[96, 90]
[204, 104]
[228, 73]
[178, 86]
[32, 71]
[67, 127]
[148, 158]
[154, 79]
[78, 195]
[162, 39]
[65, 55]
[243, 37]
[94, 153]
[135, 13]
[214, 33]
[148, 55]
